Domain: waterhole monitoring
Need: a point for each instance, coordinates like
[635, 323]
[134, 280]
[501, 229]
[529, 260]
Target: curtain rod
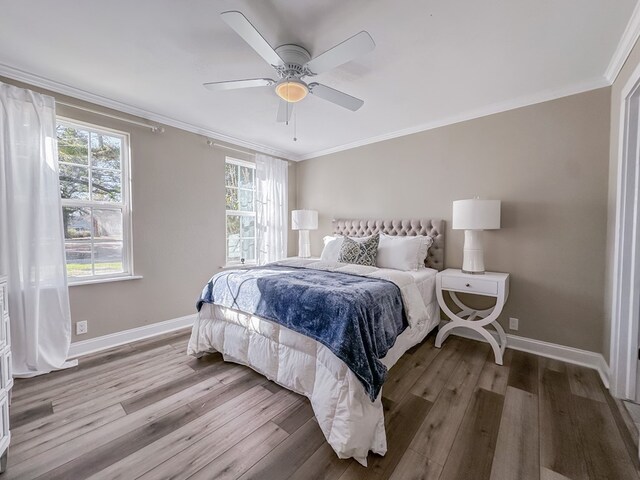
[154, 128]
[211, 143]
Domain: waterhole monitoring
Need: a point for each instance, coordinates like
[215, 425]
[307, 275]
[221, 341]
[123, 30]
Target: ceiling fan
[292, 63]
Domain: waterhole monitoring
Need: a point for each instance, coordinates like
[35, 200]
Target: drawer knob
[468, 285]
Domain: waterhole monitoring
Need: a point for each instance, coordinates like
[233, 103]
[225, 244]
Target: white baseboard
[576, 356]
[92, 345]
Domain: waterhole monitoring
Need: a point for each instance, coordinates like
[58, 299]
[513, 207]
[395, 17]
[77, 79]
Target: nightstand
[488, 284]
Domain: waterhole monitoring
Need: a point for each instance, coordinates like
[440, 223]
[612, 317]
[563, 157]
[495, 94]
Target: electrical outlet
[513, 323]
[81, 327]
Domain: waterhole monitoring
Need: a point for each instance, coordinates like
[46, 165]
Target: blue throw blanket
[357, 318]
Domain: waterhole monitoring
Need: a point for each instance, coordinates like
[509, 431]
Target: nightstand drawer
[7, 370]
[4, 371]
[6, 331]
[3, 332]
[486, 287]
[4, 301]
[4, 420]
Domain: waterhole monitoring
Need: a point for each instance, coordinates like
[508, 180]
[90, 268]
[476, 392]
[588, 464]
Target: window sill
[92, 281]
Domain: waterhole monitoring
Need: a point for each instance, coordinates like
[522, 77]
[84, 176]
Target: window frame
[231, 262]
[124, 204]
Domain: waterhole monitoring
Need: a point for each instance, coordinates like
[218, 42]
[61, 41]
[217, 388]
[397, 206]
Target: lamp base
[304, 244]
[472, 273]
[473, 259]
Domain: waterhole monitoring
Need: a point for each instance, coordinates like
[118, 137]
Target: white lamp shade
[304, 220]
[476, 214]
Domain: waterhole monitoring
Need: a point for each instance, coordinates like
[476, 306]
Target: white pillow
[333, 244]
[331, 250]
[403, 253]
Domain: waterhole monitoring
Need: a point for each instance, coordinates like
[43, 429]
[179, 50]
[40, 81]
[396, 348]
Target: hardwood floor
[146, 410]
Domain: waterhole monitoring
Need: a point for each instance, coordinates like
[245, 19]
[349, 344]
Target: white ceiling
[435, 61]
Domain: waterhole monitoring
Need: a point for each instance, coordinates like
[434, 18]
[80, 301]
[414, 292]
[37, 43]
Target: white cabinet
[6, 373]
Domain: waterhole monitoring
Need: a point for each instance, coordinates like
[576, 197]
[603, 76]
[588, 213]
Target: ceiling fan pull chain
[295, 126]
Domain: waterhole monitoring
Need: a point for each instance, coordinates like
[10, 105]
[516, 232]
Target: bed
[349, 414]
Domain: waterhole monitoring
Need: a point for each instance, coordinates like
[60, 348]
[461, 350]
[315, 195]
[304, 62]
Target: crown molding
[627, 42]
[58, 87]
[470, 115]
[64, 89]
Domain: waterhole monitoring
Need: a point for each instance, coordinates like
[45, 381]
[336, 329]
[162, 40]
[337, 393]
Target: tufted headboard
[431, 227]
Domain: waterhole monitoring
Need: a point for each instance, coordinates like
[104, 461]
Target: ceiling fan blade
[249, 34]
[233, 84]
[335, 96]
[351, 48]
[284, 111]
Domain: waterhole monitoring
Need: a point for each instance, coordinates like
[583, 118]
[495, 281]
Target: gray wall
[178, 206]
[548, 163]
[633, 60]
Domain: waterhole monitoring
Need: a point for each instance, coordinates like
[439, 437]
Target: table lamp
[303, 221]
[473, 216]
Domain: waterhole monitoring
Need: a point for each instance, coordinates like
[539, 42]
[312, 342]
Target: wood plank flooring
[148, 411]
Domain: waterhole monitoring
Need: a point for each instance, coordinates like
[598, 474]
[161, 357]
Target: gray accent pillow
[360, 253]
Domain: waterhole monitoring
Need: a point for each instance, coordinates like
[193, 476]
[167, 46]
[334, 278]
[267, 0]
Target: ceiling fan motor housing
[294, 57]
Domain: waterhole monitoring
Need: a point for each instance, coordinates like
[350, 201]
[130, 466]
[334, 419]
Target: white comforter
[351, 423]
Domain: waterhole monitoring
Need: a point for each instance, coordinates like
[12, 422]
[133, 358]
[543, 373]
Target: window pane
[246, 177]
[230, 175]
[248, 226]
[233, 225]
[232, 199]
[72, 145]
[107, 258]
[107, 224]
[245, 200]
[74, 182]
[249, 249]
[77, 223]
[91, 170]
[233, 248]
[106, 186]
[105, 151]
[78, 258]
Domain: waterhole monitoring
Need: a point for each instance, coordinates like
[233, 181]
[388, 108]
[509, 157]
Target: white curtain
[31, 232]
[271, 208]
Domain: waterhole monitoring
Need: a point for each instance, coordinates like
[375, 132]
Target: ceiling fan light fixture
[292, 91]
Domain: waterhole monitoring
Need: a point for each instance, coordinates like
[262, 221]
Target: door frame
[625, 302]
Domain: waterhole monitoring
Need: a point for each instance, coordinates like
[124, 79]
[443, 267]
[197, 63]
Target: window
[94, 184]
[240, 182]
